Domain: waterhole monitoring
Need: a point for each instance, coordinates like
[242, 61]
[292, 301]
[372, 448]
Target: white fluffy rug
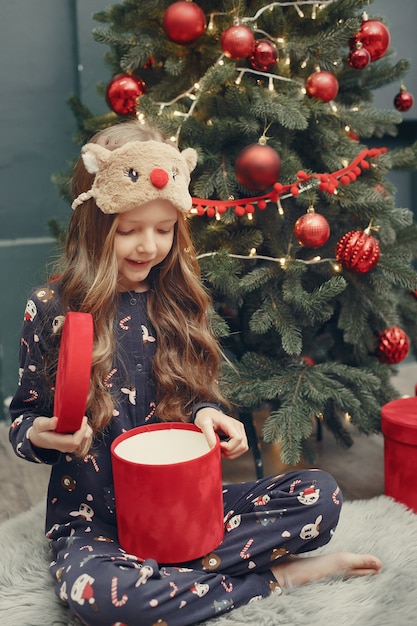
[380, 526]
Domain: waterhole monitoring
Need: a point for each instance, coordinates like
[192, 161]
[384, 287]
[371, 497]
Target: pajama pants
[265, 521]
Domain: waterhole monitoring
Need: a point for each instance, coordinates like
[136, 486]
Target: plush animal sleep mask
[137, 172]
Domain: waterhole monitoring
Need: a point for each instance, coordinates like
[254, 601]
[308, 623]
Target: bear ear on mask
[135, 173]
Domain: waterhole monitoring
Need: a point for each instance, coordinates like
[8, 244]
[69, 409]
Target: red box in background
[399, 426]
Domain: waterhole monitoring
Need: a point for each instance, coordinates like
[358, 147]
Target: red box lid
[74, 371]
[399, 420]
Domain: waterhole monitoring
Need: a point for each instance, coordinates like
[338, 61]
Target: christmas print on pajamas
[265, 520]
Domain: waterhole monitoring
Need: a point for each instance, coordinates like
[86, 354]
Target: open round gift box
[399, 426]
[168, 492]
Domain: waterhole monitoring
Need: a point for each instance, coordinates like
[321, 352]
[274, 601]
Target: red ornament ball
[264, 55]
[359, 58]
[237, 42]
[308, 360]
[403, 101]
[184, 22]
[322, 85]
[352, 135]
[393, 345]
[258, 166]
[358, 251]
[123, 92]
[375, 37]
[312, 230]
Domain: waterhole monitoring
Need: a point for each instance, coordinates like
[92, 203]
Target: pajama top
[100, 582]
[82, 490]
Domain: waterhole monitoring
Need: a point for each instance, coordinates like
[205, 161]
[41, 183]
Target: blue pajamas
[264, 520]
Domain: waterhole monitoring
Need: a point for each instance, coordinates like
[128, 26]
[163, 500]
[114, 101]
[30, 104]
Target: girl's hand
[211, 421]
[42, 434]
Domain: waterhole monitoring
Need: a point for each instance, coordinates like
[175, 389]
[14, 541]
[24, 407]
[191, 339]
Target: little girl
[130, 263]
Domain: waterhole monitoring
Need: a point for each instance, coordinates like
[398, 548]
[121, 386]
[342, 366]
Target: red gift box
[168, 492]
[399, 426]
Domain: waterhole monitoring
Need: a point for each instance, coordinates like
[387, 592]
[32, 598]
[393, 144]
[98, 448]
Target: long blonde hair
[187, 357]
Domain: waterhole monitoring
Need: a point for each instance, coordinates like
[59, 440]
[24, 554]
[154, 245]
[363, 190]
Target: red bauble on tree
[375, 37]
[322, 85]
[358, 251]
[393, 345]
[312, 230]
[184, 22]
[123, 93]
[258, 166]
[403, 101]
[264, 55]
[237, 42]
[359, 57]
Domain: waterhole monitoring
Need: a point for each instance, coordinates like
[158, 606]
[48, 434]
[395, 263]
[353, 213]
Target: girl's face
[143, 238]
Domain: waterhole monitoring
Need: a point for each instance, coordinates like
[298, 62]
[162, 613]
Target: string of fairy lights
[215, 208]
[192, 93]
[282, 261]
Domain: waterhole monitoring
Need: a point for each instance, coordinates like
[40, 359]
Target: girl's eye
[123, 232]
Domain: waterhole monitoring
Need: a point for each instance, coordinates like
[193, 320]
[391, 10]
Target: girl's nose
[147, 244]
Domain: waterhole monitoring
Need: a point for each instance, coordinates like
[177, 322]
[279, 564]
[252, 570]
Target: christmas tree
[308, 259]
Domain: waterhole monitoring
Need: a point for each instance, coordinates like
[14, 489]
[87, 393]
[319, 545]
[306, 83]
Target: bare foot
[301, 570]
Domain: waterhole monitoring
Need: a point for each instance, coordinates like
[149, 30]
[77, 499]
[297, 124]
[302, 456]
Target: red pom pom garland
[326, 182]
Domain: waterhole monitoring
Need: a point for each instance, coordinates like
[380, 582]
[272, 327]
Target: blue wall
[37, 39]
[48, 54]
